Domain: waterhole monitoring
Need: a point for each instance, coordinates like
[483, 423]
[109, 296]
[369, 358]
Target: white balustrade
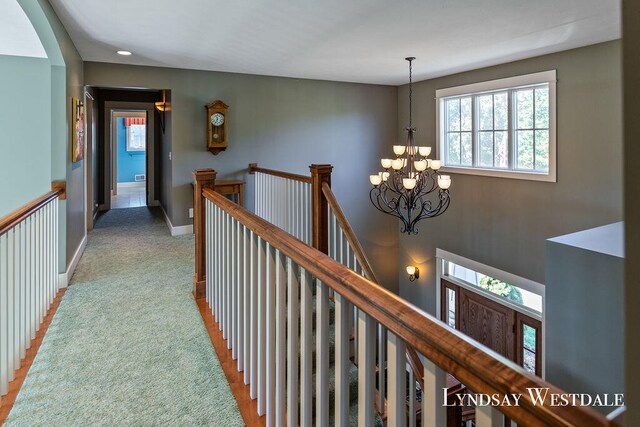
[284, 202]
[28, 284]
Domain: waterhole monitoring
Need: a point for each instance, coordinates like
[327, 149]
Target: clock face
[217, 119]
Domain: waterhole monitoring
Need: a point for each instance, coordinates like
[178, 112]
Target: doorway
[128, 159]
[129, 155]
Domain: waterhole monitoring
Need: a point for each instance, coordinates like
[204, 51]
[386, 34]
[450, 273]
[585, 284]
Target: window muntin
[500, 128]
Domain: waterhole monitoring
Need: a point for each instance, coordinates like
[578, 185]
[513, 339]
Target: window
[136, 137]
[500, 128]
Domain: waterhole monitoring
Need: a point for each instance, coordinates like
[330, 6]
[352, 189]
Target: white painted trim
[134, 184]
[491, 85]
[179, 230]
[521, 282]
[65, 278]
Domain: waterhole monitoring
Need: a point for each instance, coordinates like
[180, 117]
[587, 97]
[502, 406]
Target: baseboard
[132, 184]
[179, 230]
[65, 278]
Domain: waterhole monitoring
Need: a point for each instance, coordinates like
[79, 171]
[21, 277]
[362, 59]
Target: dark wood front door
[488, 322]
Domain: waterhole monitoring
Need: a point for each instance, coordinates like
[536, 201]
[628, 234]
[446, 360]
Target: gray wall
[504, 222]
[25, 136]
[584, 337]
[280, 123]
[631, 60]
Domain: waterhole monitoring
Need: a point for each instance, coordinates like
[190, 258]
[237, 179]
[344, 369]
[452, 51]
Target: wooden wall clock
[217, 126]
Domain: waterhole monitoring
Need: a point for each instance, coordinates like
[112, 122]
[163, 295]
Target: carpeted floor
[127, 346]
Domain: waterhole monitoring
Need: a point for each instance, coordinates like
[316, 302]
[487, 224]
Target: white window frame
[520, 282]
[510, 83]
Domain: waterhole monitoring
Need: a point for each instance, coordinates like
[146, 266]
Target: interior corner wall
[166, 177]
[504, 222]
[631, 71]
[281, 123]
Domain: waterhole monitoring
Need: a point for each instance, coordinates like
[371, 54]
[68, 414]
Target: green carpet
[127, 346]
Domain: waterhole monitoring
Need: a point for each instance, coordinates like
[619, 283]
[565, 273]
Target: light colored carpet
[127, 346]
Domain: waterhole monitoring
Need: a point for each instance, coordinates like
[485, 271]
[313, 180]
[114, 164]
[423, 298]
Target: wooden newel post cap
[320, 169]
[252, 168]
[200, 175]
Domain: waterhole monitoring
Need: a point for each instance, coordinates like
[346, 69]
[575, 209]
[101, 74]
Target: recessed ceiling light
[124, 52]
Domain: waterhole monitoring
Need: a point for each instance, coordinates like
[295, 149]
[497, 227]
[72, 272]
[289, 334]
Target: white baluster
[306, 348]
[271, 335]
[4, 319]
[382, 358]
[292, 344]
[396, 370]
[233, 289]
[11, 306]
[280, 338]
[246, 303]
[342, 362]
[434, 412]
[322, 354]
[239, 298]
[262, 327]
[366, 369]
[254, 313]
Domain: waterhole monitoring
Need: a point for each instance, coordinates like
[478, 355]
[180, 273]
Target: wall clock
[217, 126]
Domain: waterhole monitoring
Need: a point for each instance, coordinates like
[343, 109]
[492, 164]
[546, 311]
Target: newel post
[202, 178]
[320, 207]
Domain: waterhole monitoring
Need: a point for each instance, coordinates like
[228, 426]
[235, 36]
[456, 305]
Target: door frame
[119, 114]
[149, 107]
[521, 282]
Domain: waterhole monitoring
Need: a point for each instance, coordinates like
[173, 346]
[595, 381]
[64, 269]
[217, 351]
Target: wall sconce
[413, 272]
[162, 107]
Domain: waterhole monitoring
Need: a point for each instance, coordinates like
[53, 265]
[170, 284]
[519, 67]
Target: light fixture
[413, 272]
[123, 52]
[411, 187]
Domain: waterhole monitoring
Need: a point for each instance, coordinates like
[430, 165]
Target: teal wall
[129, 163]
[25, 120]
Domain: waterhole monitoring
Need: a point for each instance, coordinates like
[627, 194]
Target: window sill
[529, 176]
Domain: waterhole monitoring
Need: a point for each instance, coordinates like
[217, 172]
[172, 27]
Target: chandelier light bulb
[409, 183]
[397, 164]
[375, 179]
[436, 164]
[444, 181]
[424, 151]
[399, 149]
[386, 163]
[420, 165]
[385, 176]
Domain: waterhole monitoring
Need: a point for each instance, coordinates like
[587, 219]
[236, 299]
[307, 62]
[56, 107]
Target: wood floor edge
[248, 407]
[6, 404]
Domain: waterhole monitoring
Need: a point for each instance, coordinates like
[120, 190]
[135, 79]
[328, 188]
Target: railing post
[320, 207]
[202, 178]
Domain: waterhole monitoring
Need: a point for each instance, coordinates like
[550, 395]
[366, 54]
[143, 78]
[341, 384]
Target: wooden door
[488, 322]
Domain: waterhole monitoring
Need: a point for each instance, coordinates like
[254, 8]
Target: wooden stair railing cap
[16, 217]
[253, 168]
[476, 366]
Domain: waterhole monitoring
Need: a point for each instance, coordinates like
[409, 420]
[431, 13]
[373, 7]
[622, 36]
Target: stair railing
[29, 281]
[261, 287]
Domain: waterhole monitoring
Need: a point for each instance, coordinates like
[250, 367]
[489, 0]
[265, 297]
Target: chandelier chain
[410, 93]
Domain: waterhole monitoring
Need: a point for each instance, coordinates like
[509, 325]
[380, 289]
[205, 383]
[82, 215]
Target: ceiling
[17, 35]
[355, 41]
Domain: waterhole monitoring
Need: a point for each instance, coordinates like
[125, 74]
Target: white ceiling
[17, 35]
[356, 40]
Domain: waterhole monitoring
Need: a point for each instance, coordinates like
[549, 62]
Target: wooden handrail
[348, 231]
[479, 368]
[253, 168]
[16, 217]
[354, 242]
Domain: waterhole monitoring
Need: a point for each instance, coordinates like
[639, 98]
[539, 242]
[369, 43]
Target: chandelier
[410, 186]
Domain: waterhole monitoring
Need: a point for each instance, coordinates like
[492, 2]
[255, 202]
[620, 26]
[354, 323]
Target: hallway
[127, 345]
